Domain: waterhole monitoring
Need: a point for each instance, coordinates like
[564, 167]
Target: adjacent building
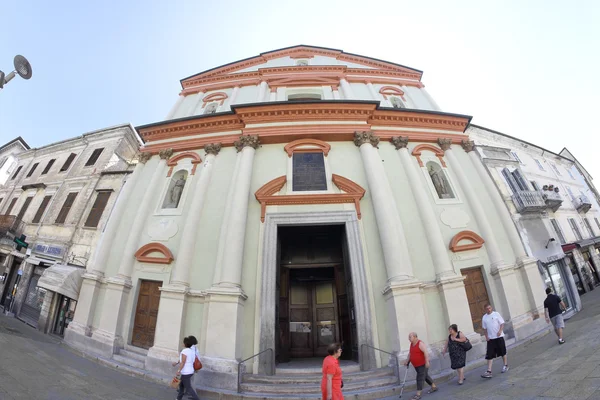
[298, 198]
[57, 200]
[8, 158]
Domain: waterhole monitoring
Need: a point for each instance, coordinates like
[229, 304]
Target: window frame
[91, 161]
[68, 208]
[39, 215]
[588, 226]
[539, 164]
[68, 162]
[558, 230]
[575, 229]
[16, 173]
[24, 207]
[32, 170]
[48, 166]
[308, 148]
[95, 221]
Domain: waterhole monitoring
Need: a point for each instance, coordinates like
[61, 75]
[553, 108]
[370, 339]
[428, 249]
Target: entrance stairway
[132, 356]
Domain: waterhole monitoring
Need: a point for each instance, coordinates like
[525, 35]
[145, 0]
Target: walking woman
[419, 358]
[186, 370]
[458, 355]
[331, 384]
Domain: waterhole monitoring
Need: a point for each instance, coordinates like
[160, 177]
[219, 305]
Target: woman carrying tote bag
[457, 345]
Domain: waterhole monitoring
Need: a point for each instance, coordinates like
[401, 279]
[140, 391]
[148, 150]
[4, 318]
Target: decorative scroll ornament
[361, 138]
[444, 143]
[400, 142]
[247, 141]
[467, 145]
[212, 148]
[165, 154]
[144, 157]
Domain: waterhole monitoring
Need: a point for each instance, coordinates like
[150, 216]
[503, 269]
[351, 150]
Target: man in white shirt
[493, 324]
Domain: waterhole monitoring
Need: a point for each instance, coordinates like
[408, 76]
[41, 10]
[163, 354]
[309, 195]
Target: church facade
[297, 198]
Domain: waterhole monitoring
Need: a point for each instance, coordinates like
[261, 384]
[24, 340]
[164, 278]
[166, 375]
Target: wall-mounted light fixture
[549, 240]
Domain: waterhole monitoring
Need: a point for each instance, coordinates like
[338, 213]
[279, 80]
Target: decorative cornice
[361, 138]
[142, 254]
[400, 142]
[436, 150]
[468, 145]
[266, 195]
[299, 146]
[476, 241]
[212, 148]
[165, 154]
[247, 141]
[444, 143]
[144, 156]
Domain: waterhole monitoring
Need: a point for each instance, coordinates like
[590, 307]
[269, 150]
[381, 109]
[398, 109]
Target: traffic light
[20, 241]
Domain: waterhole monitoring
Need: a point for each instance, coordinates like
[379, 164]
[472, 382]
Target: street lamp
[22, 67]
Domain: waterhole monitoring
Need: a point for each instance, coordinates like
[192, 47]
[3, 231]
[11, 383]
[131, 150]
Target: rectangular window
[510, 180]
[32, 169]
[570, 174]
[48, 166]
[94, 157]
[11, 205]
[575, 229]
[588, 226]
[40, 212]
[62, 215]
[67, 163]
[539, 164]
[558, 231]
[24, 207]
[595, 219]
[555, 169]
[308, 172]
[570, 193]
[516, 157]
[97, 209]
[521, 182]
[535, 185]
[16, 173]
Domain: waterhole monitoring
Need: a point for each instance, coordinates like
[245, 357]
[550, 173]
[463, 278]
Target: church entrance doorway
[315, 304]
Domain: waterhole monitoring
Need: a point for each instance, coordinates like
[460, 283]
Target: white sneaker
[505, 368]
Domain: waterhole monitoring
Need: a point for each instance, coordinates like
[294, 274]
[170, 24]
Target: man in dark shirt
[553, 307]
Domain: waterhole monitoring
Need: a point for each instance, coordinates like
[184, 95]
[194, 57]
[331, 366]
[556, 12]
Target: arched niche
[172, 198]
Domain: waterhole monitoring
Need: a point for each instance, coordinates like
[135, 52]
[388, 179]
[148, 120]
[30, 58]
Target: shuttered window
[575, 228]
[62, 215]
[48, 166]
[595, 219]
[510, 180]
[558, 231]
[521, 182]
[16, 173]
[589, 227]
[32, 169]
[40, 212]
[24, 207]
[97, 209]
[94, 157]
[11, 205]
[67, 163]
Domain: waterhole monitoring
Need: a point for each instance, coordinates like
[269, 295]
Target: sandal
[432, 390]
[460, 382]
[416, 397]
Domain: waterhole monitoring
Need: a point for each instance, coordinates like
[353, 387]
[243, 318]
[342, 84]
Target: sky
[530, 69]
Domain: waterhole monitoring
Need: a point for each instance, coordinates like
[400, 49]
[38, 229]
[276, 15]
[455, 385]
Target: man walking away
[553, 307]
[493, 325]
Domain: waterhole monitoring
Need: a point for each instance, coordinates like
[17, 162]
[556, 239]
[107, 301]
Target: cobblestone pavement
[35, 366]
[542, 369]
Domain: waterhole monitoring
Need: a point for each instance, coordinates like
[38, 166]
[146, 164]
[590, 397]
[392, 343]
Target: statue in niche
[175, 190]
[440, 181]
[211, 108]
[396, 102]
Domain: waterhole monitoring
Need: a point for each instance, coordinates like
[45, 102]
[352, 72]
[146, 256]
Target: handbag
[342, 384]
[197, 364]
[175, 382]
[466, 345]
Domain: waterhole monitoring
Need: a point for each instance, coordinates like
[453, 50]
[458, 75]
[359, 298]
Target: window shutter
[575, 228]
[97, 209]
[40, 212]
[570, 193]
[25, 207]
[558, 231]
[62, 215]
[595, 219]
[48, 166]
[589, 227]
[521, 182]
[94, 157]
[32, 170]
[67, 163]
[16, 173]
[510, 180]
[12, 204]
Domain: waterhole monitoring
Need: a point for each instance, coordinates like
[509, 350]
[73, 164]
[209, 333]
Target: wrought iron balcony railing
[582, 203]
[553, 199]
[529, 201]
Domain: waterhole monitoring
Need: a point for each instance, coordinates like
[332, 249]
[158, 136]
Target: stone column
[224, 304]
[526, 265]
[262, 90]
[197, 104]
[347, 89]
[373, 91]
[336, 93]
[273, 94]
[402, 288]
[233, 97]
[509, 297]
[92, 279]
[452, 288]
[108, 334]
[175, 107]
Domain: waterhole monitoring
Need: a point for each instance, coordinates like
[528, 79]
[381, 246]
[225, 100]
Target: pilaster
[406, 313]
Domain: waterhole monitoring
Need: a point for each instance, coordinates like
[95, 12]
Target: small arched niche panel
[466, 240]
[154, 253]
[175, 190]
[440, 180]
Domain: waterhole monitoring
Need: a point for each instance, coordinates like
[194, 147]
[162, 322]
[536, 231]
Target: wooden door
[283, 315]
[325, 317]
[477, 295]
[301, 320]
[145, 314]
[352, 328]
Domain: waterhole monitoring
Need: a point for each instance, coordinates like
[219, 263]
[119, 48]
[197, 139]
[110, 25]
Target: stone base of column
[456, 305]
[86, 306]
[534, 284]
[218, 373]
[406, 312]
[168, 337]
[511, 299]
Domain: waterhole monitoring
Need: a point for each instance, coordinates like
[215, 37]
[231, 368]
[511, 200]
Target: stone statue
[176, 191]
[440, 182]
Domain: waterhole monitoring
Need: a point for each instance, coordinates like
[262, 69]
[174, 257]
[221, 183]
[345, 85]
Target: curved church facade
[298, 198]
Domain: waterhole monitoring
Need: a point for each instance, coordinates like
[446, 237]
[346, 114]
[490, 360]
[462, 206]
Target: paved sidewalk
[35, 366]
[542, 369]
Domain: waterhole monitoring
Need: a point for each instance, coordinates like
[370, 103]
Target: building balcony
[553, 199]
[582, 203]
[10, 226]
[528, 201]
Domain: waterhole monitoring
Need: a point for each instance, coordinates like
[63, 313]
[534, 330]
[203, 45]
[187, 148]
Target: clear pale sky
[530, 69]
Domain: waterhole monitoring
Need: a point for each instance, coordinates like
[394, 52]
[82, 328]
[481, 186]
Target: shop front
[583, 260]
[556, 276]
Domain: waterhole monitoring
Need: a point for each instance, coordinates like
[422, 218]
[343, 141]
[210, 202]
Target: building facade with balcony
[294, 199]
[553, 207]
[59, 196]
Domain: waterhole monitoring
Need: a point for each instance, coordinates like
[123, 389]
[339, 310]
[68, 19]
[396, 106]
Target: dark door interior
[10, 283]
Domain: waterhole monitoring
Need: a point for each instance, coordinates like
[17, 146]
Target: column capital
[212, 148]
[400, 142]
[361, 138]
[468, 145]
[247, 141]
[444, 143]
[165, 154]
[144, 157]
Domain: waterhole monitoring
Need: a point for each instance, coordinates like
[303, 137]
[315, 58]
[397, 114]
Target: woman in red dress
[331, 384]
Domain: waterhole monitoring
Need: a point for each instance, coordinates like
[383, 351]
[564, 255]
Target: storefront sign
[53, 251]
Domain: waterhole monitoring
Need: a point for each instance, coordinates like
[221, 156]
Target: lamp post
[22, 67]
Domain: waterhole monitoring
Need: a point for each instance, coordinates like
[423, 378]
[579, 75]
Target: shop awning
[581, 243]
[63, 279]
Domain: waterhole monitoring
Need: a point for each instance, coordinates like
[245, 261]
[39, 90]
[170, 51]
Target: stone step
[315, 388]
[137, 350]
[361, 394]
[131, 354]
[132, 362]
[346, 369]
[315, 378]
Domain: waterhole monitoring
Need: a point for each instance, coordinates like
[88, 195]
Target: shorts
[558, 321]
[495, 348]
